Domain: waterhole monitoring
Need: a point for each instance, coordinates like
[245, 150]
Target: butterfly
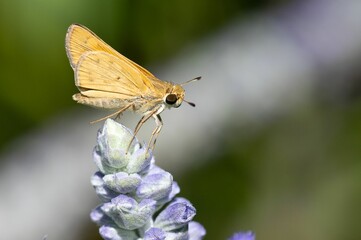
[107, 79]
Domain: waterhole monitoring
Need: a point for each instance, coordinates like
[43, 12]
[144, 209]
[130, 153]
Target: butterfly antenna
[192, 80]
[190, 103]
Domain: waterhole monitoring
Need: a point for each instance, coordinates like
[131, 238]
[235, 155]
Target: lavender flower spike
[132, 189]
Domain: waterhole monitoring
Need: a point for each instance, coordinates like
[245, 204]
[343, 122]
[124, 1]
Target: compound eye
[171, 99]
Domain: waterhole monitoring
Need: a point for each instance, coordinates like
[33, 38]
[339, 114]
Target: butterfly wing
[100, 74]
[80, 40]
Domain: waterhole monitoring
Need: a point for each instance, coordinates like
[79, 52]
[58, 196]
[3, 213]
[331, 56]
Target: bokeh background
[273, 145]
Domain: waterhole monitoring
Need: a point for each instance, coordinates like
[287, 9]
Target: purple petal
[112, 233]
[243, 236]
[109, 233]
[154, 234]
[122, 182]
[175, 190]
[196, 231]
[98, 216]
[177, 235]
[140, 161]
[103, 192]
[127, 213]
[176, 215]
[155, 186]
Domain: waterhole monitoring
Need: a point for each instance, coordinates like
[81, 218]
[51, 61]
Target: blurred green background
[297, 175]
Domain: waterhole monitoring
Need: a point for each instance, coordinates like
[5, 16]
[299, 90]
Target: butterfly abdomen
[99, 102]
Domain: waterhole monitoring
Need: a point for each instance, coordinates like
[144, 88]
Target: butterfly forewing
[80, 40]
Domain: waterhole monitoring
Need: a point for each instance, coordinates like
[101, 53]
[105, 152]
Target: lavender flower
[138, 197]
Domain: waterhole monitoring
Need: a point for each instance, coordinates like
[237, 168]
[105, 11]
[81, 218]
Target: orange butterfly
[107, 79]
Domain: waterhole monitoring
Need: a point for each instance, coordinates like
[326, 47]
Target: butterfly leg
[156, 131]
[117, 114]
[139, 125]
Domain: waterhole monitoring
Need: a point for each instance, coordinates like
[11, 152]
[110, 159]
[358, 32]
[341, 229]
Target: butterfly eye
[171, 99]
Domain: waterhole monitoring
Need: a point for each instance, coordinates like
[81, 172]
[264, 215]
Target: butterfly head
[174, 97]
